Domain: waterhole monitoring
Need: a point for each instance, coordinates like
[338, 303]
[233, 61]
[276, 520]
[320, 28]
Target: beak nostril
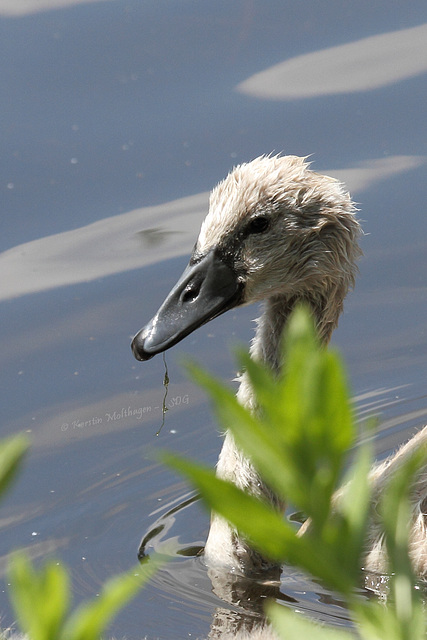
[190, 293]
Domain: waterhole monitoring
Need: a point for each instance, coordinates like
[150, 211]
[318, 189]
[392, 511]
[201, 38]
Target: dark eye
[259, 224]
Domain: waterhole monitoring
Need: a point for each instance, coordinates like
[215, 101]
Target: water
[117, 118]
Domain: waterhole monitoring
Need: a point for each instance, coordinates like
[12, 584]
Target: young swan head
[274, 229]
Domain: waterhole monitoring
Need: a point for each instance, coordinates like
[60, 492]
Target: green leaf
[255, 519]
[40, 598]
[90, 621]
[12, 451]
[354, 502]
[262, 526]
[395, 512]
[290, 625]
[378, 620]
[345, 531]
[298, 440]
[265, 386]
[256, 441]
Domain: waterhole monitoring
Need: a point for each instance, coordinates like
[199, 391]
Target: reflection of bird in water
[280, 233]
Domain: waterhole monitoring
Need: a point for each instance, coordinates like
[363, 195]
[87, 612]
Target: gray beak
[206, 289]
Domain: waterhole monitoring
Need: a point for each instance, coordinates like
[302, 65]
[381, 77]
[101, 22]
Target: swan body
[280, 233]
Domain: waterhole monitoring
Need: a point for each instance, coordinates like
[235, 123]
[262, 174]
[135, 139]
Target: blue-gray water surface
[117, 118]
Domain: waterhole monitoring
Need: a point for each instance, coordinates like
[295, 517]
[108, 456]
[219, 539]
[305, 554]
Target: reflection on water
[363, 65]
[142, 237]
[25, 7]
[110, 246]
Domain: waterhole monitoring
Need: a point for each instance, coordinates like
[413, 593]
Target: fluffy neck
[224, 546]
